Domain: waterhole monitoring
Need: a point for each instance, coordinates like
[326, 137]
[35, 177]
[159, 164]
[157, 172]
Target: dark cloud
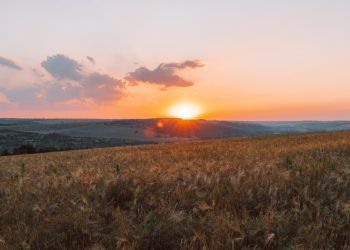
[8, 63]
[165, 74]
[62, 67]
[91, 59]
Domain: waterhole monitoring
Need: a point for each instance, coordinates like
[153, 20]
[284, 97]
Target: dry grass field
[290, 192]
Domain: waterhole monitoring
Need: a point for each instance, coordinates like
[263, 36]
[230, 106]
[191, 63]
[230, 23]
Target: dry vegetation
[265, 192]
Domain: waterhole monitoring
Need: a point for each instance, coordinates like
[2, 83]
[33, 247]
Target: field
[282, 191]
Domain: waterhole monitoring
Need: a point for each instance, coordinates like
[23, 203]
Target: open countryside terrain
[280, 191]
[20, 136]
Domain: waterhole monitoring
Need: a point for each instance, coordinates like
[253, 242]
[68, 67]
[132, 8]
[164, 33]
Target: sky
[236, 60]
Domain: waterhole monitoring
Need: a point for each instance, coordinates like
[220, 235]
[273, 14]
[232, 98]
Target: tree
[5, 152]
[24, 149]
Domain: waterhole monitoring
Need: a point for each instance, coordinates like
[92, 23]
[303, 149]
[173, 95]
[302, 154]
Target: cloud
[73, 85]
[91, 59]
[186, 64]
[101, 87]
[8, 63]
[94, 86]
[27, 96]
[39, 95]
[165, 74]
[60, 92]
[62, 67]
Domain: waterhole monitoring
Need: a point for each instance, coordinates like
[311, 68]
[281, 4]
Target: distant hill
[306, 126]
[62, 134]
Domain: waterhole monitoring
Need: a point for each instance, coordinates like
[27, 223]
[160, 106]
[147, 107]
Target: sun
[185, 110]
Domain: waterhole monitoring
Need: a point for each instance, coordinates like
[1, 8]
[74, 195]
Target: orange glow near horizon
[185, 110]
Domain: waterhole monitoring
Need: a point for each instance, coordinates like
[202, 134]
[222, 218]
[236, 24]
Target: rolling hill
[61, 134]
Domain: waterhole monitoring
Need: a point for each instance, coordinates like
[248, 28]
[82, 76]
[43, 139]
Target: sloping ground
[265, 192]
[16, 142]
[306, 126]
[140, 129]
[53, 135]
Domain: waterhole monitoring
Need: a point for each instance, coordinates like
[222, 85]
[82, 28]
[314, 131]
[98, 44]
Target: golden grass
[290, 191]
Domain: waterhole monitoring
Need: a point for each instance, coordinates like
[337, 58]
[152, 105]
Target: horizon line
[154, 118]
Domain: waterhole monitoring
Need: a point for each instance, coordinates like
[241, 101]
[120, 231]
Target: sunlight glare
[185, 110]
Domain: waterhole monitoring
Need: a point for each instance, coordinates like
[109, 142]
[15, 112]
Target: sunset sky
[236, 60]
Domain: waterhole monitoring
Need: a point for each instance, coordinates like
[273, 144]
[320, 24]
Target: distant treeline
[30, 149]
